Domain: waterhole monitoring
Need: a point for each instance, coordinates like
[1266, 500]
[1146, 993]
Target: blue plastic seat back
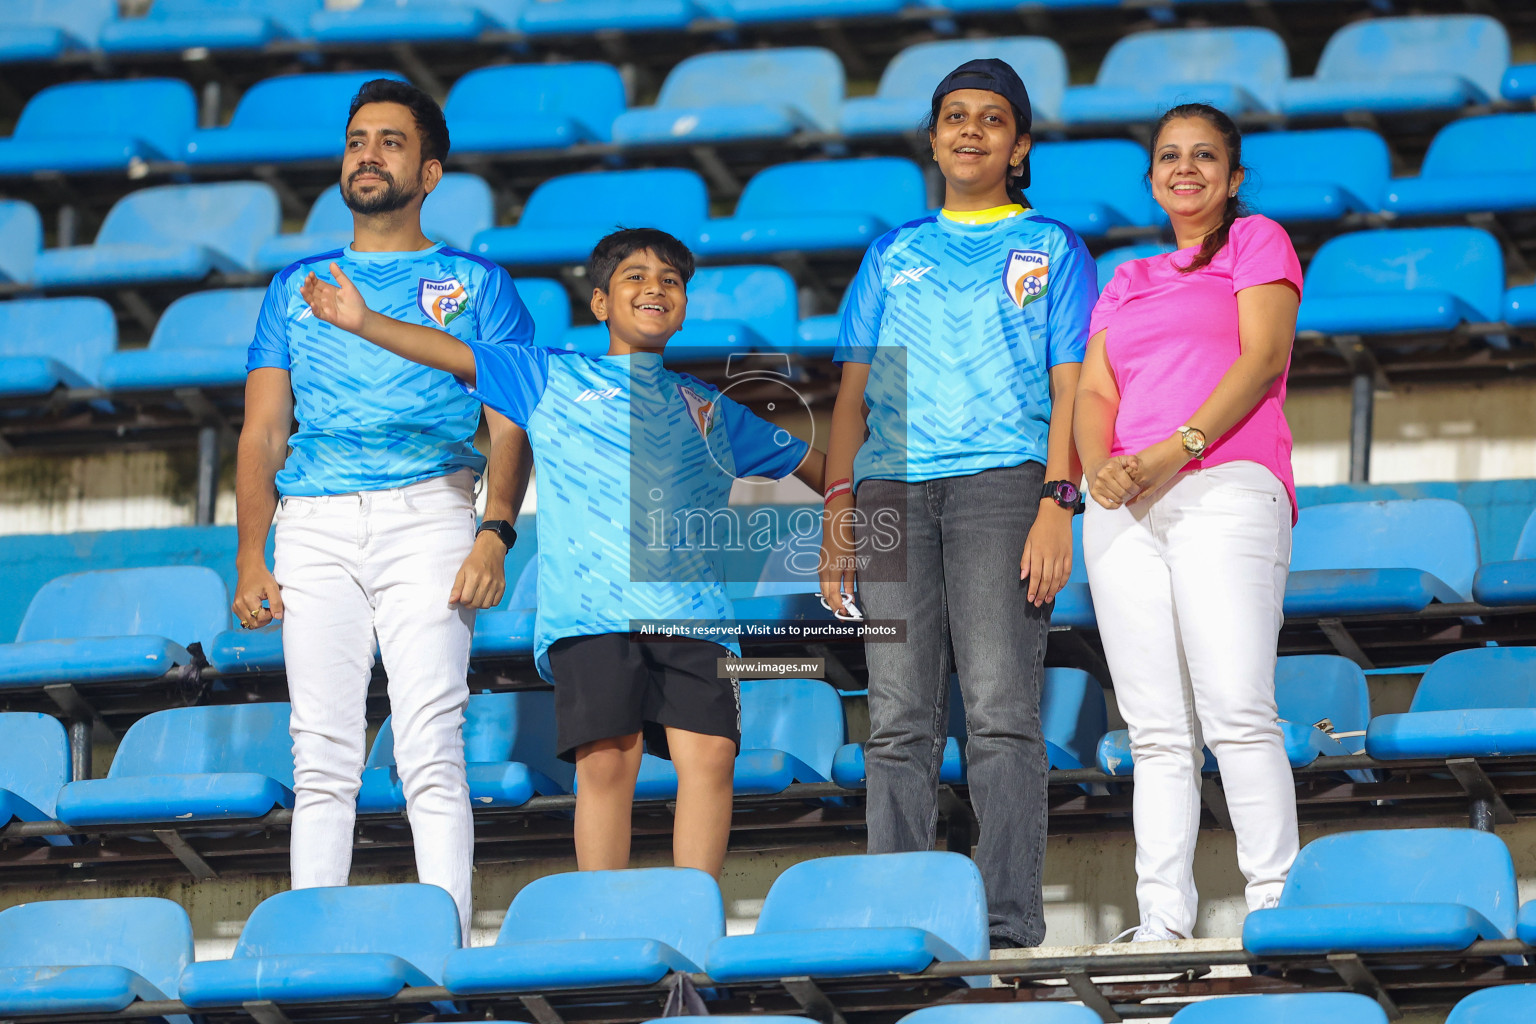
[803, 717]
[1041, 62]
[208, 740]
[587, 92]
[1355, 158]
[1254, 58]
[764, 298]
[550, 307]
[941, 893]
[159, 111]
[1073, 715]
[1003, 1013]
[1285, 1008]
[217, 318]
[291, 15]
[498, 727]
[669, 198]
[1498, 1005]
[184, 603]
[1433, 535]
[82, 20]
[808, 79]
[1474, 46]
[1476, 146]
[679, 906]
[78, 332]
[1525, 547]
[1465, 262]
[1110, 261]
[230, 217]
[890, 187]
[461, 205]
[304, 101]
[1109, 171]
[1313, 687]
[1480, 677]
[151, 937]
[417, 923]
[1410, 865]
[21, 236]
[36, 762]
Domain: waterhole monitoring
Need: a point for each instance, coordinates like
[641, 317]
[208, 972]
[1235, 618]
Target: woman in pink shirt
[1181, 425]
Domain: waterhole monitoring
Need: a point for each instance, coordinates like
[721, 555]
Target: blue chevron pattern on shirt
[368, 419]
[960, 324]
[633, 459]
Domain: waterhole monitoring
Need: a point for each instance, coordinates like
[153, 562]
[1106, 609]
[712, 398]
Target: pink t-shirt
[1173, 336]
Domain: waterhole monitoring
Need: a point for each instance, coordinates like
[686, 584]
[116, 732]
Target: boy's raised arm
[342, 305]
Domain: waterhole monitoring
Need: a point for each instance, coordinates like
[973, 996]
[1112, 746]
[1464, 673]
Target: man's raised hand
[340, 304]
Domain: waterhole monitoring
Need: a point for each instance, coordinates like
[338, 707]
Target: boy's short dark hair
[430, 122]
[625, 242]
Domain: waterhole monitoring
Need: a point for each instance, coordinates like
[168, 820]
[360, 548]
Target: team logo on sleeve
[442, 301]
[1026, 275]
[701, 410]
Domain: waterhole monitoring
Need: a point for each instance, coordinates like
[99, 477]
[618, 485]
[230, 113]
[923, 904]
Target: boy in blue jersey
[621, 444]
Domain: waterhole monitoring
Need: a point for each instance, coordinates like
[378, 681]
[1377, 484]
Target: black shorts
[616, 684]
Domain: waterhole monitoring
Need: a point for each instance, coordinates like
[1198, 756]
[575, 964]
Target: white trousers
[352, 566]
[1188, 589]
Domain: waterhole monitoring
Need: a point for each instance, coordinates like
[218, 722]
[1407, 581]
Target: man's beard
[386, 200]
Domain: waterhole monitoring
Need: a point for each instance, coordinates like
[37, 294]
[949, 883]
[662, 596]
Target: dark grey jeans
[954, 578]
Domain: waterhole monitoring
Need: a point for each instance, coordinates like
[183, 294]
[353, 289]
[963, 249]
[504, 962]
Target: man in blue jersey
[626, 449]
[374, 501]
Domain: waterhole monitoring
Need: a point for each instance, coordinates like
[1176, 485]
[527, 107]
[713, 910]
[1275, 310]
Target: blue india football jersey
[634, 462]
[368, 419]
[960, 324]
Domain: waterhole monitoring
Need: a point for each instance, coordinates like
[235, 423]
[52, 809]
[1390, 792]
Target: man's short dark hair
[430, 122]
[625, 242]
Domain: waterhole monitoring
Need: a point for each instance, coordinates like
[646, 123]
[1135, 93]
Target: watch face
[1066, 491]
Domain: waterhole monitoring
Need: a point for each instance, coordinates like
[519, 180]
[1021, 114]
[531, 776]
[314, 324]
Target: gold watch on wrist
[1194, 441]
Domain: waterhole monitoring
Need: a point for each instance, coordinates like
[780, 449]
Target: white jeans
[1188, 589]
[352, 566]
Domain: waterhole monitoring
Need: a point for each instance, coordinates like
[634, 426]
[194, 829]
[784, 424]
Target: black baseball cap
[997, 76]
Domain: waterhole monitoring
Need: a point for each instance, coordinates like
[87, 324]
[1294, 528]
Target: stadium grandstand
[160, 160]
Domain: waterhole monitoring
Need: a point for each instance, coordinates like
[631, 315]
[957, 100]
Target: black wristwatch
[502, 529]
[1063, 493]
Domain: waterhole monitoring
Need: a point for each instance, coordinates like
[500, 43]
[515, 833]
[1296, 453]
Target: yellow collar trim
[991, 216]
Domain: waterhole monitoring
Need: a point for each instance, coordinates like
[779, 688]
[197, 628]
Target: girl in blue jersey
[960, 347]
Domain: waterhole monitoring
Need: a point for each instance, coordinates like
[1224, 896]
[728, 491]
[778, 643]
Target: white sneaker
[1152, 931]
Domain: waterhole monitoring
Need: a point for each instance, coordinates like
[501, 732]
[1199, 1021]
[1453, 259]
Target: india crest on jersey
[701, 410]
[443, 300]
[1026, 275]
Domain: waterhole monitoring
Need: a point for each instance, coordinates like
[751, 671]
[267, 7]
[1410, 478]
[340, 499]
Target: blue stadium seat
[550, 307]
[1520, 306]
[860, 914]
[743, 94]
[1519, 82]
[851, 771]
[565, 216]
[1498, 1005]
[1238, 70]
[173, 25]
[34, 768]
[1479, 702]
[1315, 175]
[1398, 65]
[515, 107]
[818, 206]
[1473, 165]
[21, 236]
[53, 343]
[509, 754]
[70, 957]
[239, 651]
[904, 96]
[200, 341]
[413, 21]
[589, 929]
[1285, 1008]
[503, 633]
[1093, 186]
[790, 731]
[115, 626]
[1404, 280]
[169, 233]
[353, 942]
[40, 30]
[1525, 926]
[756, 12]
[1514, 582]
[1380, 557]
[584, 17]
[1110, 261]
[96, 127]
[1003, 1013]
[284, 119]
[460, 207]
[191, 764]
[817, 335]
[1390, 892]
